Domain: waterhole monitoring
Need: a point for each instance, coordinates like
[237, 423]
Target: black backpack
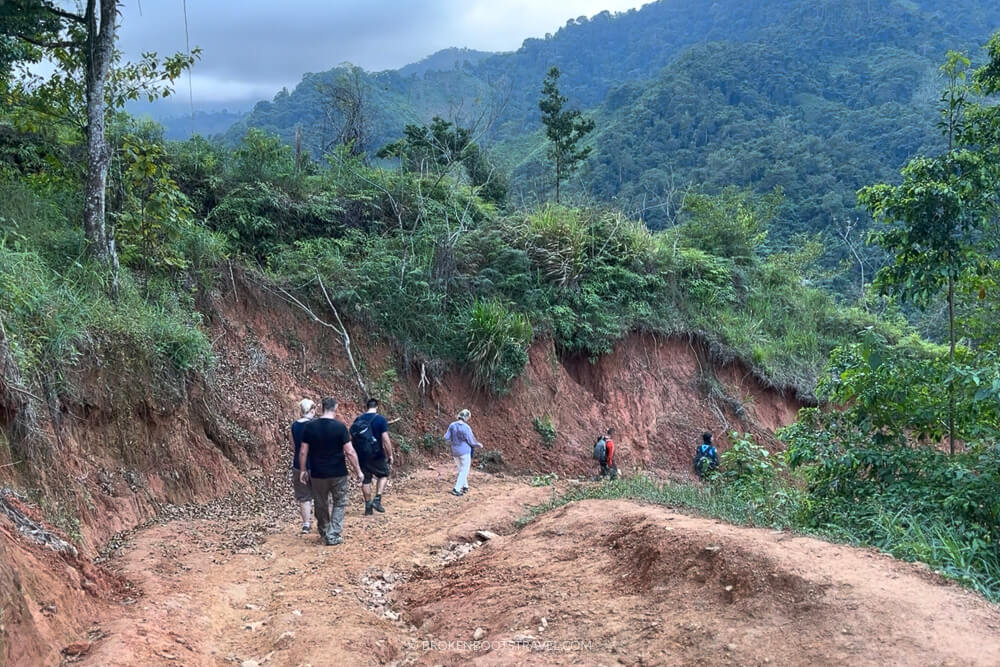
[363, 438]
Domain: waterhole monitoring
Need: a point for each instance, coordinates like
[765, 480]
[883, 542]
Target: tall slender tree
[565, 128]
[90, 39]
[84, 87]
[938, 213]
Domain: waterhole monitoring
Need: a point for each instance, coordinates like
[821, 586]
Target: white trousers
[464, 462]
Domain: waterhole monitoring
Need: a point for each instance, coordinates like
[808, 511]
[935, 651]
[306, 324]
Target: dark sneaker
[306, 528]
[368, 508]
[464, 489]
[334, 541]
[455, 492]
[377, 504]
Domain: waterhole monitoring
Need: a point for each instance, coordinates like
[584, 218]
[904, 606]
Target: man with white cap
[303, 491]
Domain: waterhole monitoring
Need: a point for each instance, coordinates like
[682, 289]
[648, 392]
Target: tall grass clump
[498, 341]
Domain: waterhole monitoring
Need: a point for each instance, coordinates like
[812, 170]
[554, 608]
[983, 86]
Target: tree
[938, 214]
[564, 129]
[442, 146]
[345, 114]
[84, 86]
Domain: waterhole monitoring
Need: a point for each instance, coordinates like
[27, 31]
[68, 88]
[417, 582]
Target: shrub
[498, 341]
[545, 428]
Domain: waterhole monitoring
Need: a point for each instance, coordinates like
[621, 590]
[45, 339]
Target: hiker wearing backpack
[462, 442]
[604, 454]
[370, 437]
[705, 456]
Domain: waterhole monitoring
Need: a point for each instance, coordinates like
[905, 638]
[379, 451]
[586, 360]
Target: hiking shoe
[377, 504]
[334, 541]
[368, 508]
[455, 493]
[306, 528]
[464, 489]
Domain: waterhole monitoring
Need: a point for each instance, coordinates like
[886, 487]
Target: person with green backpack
[604, 454]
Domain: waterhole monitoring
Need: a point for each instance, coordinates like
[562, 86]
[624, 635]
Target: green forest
[817, 98]
[753, 129]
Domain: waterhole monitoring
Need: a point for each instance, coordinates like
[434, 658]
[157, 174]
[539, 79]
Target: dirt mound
[660, 561]
[617, 583]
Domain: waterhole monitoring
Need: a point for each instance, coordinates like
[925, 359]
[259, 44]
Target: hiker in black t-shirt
[326, 452]
[370, 435]
[302, 490]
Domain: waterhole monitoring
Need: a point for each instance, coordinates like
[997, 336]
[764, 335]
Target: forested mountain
[814, 97]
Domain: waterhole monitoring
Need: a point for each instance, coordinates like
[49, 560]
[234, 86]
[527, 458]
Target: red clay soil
[593, 583]
[132, 441]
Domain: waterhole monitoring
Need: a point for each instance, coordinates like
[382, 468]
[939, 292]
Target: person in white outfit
[462, 441]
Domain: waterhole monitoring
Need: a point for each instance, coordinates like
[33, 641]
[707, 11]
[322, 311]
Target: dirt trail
[597, 582]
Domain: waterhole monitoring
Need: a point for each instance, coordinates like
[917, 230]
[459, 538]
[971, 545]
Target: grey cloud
[257, 45]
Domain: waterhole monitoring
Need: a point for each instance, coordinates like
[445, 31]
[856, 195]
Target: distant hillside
[205, 123]
[814, 96]
[444, 60]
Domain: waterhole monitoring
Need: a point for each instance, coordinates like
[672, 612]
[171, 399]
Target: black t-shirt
[297, 428]
[326, 438]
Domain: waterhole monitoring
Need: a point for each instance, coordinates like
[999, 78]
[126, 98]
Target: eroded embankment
[126, 441]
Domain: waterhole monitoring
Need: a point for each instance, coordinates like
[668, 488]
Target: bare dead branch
[343, 333]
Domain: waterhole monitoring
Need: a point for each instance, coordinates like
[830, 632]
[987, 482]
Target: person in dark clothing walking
[377, 463]
[302, 490]
[705, 456]
[326, 453]
[608, 468]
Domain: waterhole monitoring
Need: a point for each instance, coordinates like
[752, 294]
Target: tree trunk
[951, 363]
[100, 45]
[558, 178]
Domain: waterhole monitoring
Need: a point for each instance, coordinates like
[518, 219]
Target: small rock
[728, 589]
[712, 548]
[544, 622]
[77, 649]
[388, 577]
[296, 612]
[251, 607]
[249, 663]
[478, 634]
[522, 639]
[285, 640]
[486, 535]
[731, 647]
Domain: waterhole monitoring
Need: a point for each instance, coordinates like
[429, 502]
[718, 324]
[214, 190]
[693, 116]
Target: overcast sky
[251, 48]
